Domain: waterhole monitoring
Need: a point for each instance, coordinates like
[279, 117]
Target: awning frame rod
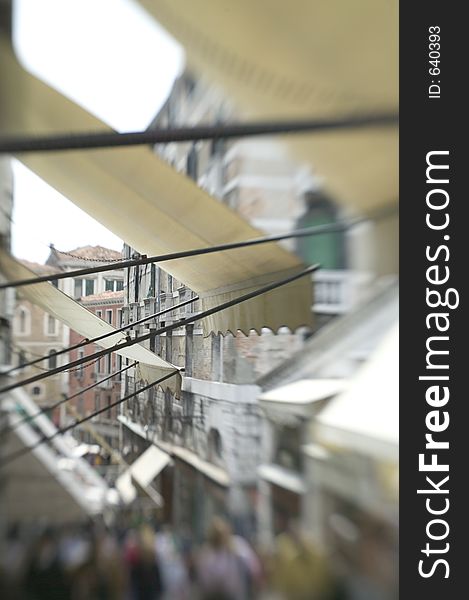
[112, 139]
[13, 456]
[192, 319]
[145, 260]
[86, 342]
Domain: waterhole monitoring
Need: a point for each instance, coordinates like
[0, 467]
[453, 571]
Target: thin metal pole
[14, 455]
[43, 411]
[299, 233]
[86, 342]
[112, 139]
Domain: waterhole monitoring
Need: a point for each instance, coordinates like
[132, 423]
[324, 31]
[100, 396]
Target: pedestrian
[173, 568]
[220, 571]
[299, 571]
[144, 570]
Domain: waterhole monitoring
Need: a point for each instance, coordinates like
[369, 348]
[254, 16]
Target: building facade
[213, 431]
[87, 257]
[37, 334]
[107, 306]
[102, 294]
[329, 459]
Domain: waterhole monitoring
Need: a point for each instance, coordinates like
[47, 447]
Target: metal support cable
[106, 139]
[41, 358]
[181, 323]
[18, 453]
[44, 411]
[298, 233]
[87, 341]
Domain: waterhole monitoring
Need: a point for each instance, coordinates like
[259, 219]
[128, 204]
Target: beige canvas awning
[144, 470]
[210, 470]
[47, 482]
[304, 58]
[365, 417]
[151, 367]
[299, 400]
[155, 209]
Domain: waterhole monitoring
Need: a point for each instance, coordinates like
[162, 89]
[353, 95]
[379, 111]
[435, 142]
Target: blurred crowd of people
[153, 563]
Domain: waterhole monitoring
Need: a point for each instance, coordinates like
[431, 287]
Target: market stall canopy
[49, 482]
[365, 417]
[155, 209]
[304, 58]
[143, 471]
[300, 399]
[150, 368]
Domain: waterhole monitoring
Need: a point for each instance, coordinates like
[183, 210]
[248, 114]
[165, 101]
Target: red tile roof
[103, 296]
[88, 252]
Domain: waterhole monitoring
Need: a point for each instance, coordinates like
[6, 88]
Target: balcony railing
[337, 292]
